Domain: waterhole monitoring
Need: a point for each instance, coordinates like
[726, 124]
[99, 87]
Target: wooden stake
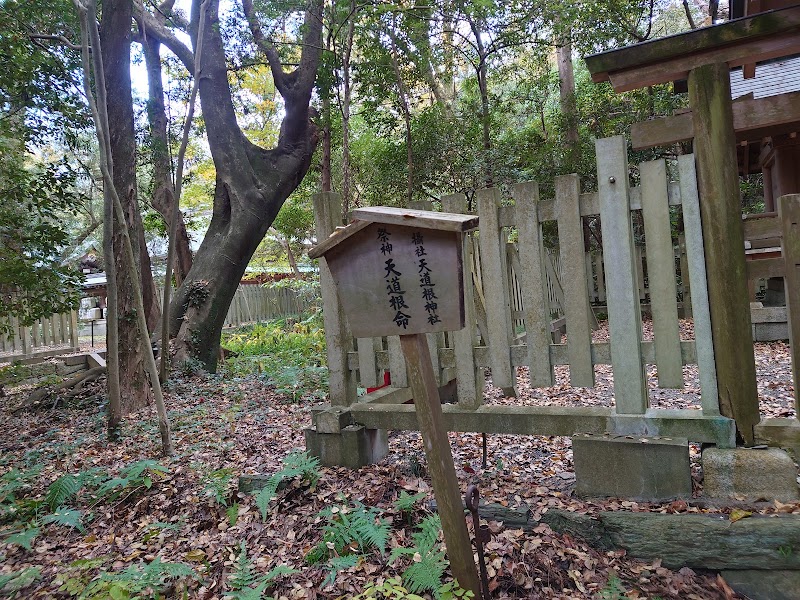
[440, 461]
[789, 215]
[720, 211]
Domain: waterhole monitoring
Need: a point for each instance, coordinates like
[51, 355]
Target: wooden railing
[56, 334]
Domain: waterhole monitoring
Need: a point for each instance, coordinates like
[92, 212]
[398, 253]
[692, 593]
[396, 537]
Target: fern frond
[340, 563]
[23, 538]
[425, 575]
[406, 501]
[428, 534]
[242, 576]
[67, 517]
[17, 580]
[62, 490]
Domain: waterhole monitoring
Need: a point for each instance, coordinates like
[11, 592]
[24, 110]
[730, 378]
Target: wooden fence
[56, 334]
[253, 302]
[509, 312]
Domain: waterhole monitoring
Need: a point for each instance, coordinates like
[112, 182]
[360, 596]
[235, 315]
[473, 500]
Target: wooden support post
[789, 215]
[720, 209]
[327, 207]
[440, 461]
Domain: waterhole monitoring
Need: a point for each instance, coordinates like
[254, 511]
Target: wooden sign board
[399, 272]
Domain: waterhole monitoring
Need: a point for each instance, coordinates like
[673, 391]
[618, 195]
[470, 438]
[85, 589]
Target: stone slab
[764, 585]
[354, 447]
[749, 474]
[770, 332]
[646, 469]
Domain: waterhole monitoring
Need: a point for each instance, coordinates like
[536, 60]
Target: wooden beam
[761, 226]
[764, 269]
[720, 209]
[709, 44]
[554, 420]
[752, 120]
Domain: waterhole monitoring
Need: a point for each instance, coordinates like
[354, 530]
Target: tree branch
[152, 26]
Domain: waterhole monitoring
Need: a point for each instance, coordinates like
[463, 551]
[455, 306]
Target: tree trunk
[163, 189]
[566, 84]
[403, 96]
[252, 183]
[115, 30]
[346, 96]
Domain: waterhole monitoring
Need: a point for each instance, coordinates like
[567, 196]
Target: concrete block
[759, 584]
[770, 332]
[749, 474]
[331, 420]
[646, 469]
[355, 446]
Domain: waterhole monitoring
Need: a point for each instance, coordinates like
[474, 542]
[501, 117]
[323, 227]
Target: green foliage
[290, 354]
[216, 484]
[613, 590]
[66, 517]
[391, 589]
[142, 580]
[405, 501]
[133, 478]
[19, 580]
[246, 584]
[348, 534]
[296, 465]
[429, 564]
[23, 538]
[33, 283]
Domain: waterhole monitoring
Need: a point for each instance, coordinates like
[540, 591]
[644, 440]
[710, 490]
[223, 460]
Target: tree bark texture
[251, 185]
[163, 190]
[115, 31]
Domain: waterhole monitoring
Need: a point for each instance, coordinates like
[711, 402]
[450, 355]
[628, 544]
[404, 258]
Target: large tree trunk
[115, 30]
[163, 189]
[251, 185]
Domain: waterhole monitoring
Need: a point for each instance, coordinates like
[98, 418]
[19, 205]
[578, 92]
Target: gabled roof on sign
[708, 41]
[425, 219]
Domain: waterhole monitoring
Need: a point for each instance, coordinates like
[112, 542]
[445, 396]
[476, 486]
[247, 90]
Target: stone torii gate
[705, 57]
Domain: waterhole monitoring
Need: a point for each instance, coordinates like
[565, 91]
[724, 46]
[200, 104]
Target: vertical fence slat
[589, 263]
[686, 283]
[533, 281]
[640, 258]
[341, 383]
[469, 379]
[367, 366]
[601, 277]
[73, 330]
[624, 313]
[789, 215]
[576, 296]
[397, 362]
[695, 256]
[494, 275]
[661, 273]
[554, 282]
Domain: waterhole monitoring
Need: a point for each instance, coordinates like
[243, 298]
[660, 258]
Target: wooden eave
[748, 40]
[753, 119]
[362, 217]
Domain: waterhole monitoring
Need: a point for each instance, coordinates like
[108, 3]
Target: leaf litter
[242, 426]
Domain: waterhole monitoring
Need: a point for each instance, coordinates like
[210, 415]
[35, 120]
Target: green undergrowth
[289, 353]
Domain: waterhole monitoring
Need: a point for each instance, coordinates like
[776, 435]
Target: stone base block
[764, 585]
[639, 468]
[749, 474]
[355, 446]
